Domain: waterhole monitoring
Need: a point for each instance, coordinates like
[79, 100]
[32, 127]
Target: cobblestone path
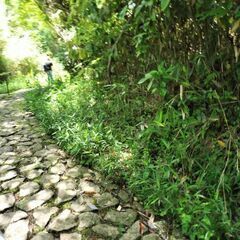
[46, 195]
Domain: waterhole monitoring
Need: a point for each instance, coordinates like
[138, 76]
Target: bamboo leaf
[164, 4]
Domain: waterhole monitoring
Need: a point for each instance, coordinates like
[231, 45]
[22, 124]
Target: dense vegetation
[153, 100]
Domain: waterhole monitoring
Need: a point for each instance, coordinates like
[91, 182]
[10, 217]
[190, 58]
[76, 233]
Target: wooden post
[7, 84]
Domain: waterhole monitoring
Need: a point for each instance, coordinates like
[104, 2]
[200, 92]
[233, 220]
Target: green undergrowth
[14, 85]
[181, 158]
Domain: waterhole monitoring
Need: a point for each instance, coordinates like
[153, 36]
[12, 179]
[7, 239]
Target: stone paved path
[46, 195]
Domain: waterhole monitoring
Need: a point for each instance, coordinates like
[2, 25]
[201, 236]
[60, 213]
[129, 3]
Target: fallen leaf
[221, 144]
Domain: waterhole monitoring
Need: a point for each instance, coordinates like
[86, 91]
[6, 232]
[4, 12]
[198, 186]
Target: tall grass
[14, 84]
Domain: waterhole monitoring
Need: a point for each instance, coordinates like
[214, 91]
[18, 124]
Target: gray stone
[134, 232]
[12, 184]
[41, 153]
[42, 215]
[12, 160]
[27, 153]
[6, 155]
[107, 200]
[68, 184]
[27, 143]
[17, 230]
[34, 174]
[43, 236]
[8, 175]
[162, 228]
[28, 188]
[21, 149]
[106, 231]
[12, 143]
[152, 236]
[52, 158]
[7, 132]
[49, 179]
[5, 168]
[70, 236]
[109, 186]
[65, 195]
[10, 217]
[6, 201]
[66, 191]
[3, 141]
[58, 169]
[30, 167]
[87, 220]
[88, 187]
[71, 163]
[74, 172]
[64, 221]
[6, 149]
[88, 207]
[36, 147]
[121, 218]
[124, 196]
[32, 202]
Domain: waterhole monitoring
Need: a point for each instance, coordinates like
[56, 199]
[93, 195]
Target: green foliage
[154, 100]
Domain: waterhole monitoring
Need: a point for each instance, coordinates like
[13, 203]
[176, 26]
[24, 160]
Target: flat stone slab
[34, 174]
[152, 236]
[12, 160]
[10, 217]
[6, 132]
[8, 175]
[135, 231]
[106, 231]
[107, 200]
[70, 236]
[64, 221]
[162, 228]
[80, 208]
[74, 172]
[48, 180]
[30, 167]
[6, 155]
[12, 184]
[88, 187]
[6, 201]
[66, 191]
[87, 220]
[65, 195]
[6, 168]
[53, 158]
[43, 236]
[32, 202]
[27, 153]
[58, 169]
[121, 218]
[17, 230]
[124, 196]
[36, 147]
[42, 215]
[28, 188]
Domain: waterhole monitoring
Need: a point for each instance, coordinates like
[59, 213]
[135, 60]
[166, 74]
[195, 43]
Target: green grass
[14, 85]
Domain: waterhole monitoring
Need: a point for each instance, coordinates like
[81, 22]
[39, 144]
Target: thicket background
[153, 100]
